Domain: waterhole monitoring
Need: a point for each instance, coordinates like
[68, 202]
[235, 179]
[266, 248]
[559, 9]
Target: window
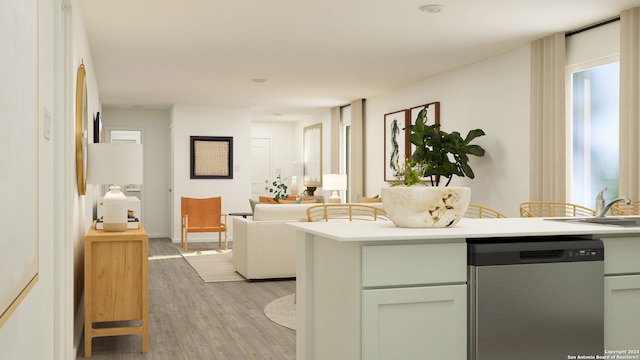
[594, 110]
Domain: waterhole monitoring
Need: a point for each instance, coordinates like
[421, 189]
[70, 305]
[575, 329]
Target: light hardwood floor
[191, 319]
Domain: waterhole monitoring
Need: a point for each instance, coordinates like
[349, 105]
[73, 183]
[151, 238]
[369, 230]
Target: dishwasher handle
[535, 255]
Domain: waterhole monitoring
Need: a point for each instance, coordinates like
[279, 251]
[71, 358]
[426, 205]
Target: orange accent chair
[203, 215]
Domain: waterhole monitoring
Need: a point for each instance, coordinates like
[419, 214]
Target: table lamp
[113, 164]
[335, 183]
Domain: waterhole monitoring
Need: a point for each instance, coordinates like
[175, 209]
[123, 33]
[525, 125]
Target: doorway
[130, 190]
[260, 167]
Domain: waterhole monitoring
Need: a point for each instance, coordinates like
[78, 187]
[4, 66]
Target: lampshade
[335, 182]
[116, 163]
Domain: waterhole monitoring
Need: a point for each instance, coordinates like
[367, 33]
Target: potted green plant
[278, 188]
[409, 202]
[409, 174]
[443, 154]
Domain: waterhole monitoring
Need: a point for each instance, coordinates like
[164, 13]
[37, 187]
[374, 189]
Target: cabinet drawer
[621, 255]
[418, 264]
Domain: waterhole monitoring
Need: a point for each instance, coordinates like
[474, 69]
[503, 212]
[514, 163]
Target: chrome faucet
[604, 211]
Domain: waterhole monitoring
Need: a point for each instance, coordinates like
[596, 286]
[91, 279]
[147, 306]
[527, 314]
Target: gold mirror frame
[81, 130]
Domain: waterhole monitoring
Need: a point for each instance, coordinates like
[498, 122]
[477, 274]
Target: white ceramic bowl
[425, 206]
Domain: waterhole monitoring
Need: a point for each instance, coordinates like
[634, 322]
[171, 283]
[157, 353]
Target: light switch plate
[46, 123]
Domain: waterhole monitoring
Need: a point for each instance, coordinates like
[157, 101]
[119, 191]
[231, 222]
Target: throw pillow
[253, 205]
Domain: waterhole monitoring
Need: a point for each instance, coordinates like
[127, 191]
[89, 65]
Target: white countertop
[467, 228]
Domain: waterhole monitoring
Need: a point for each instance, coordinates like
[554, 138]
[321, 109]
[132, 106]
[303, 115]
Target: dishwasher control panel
[586, 254]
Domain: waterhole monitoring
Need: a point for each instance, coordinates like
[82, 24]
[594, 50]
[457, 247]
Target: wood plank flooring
[190, 319]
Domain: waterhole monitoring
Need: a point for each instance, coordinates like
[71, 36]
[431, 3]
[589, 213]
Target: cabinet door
[415, 323]
[621, 312]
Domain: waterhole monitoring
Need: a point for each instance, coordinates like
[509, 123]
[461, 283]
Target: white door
[260, 167]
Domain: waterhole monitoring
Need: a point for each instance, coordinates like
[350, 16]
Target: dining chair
[554, 209]
[622, 209]
[351, 211]
[475, 211]
[203, 215]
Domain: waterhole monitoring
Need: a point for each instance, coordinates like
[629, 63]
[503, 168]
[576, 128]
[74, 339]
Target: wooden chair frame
[475, 211]
[622, 209]
[554, 209]
[203, 215]
[351, 211]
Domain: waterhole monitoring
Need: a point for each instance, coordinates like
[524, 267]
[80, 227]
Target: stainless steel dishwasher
[535, 298]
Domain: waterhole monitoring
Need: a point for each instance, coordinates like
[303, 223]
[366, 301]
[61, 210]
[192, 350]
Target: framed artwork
[19, 143]
[433, 117]
[312, 155]
[396, 142]
[211, 157]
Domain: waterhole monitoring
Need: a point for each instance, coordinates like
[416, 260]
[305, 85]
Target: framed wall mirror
[312, 156]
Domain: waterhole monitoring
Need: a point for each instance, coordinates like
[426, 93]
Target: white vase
[114, 210]
[425, 206]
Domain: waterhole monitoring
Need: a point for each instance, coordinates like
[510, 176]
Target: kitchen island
[370, 290]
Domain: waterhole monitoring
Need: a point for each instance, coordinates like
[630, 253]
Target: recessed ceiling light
[259, 80]
[431, 8]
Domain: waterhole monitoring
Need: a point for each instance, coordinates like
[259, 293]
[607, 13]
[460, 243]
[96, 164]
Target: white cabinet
[621, 315]
[415, 323]
[622, 293]
[383, 300]
[411, 310]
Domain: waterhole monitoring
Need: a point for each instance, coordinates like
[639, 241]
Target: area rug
[213, 265]
[282, 311]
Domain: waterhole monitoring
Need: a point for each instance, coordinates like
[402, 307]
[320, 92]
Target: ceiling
[311, 54]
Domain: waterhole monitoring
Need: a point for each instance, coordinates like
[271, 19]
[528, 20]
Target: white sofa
[264, 247]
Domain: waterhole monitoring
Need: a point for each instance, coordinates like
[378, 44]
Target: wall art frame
[396, 142]
[19, 144]
[211, 157]
[312, 155]
[433, 117]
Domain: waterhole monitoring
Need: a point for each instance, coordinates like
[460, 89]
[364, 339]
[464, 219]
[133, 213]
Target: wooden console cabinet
[116, 278]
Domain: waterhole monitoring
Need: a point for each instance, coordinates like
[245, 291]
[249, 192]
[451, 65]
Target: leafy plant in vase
[438, 155]
[278, 189]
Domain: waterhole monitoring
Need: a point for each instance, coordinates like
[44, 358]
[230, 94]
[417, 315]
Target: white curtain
[630, 103]
[548, 125]
[356, 179]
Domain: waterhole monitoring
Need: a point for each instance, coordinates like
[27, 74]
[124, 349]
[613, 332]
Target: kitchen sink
[627, 221]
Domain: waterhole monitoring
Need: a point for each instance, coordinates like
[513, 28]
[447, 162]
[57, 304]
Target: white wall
[154, 125]
[33, 320]
[42, 326]
[492, 95]
[188, 120]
